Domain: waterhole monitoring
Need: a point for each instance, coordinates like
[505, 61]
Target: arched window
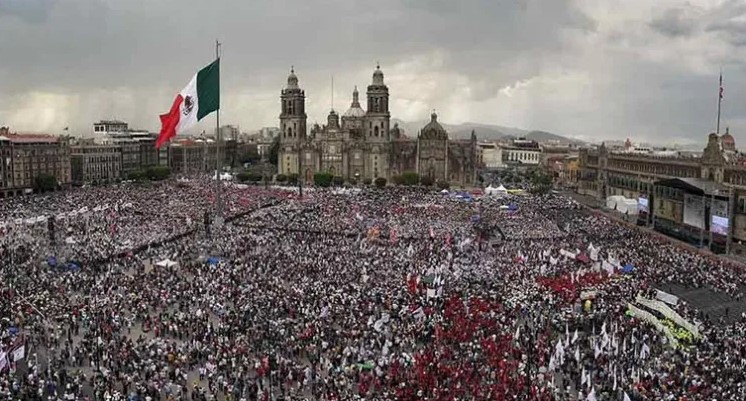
[290, 132]
[375, 131]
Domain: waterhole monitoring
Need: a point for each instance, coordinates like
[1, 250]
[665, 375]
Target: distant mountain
[485, 131]
[543, 136]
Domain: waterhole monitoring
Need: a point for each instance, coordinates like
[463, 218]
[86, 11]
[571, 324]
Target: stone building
[198, 156]
[26, 156]
[667, 177]
[361, 144]
[99, 164]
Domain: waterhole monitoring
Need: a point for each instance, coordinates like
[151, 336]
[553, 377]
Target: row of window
[630, 183]
[521, 156]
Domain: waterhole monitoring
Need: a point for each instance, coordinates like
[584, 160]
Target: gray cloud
[29, 11]
[577, 67]
[673, 23]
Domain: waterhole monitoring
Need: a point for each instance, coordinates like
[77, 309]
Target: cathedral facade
[361, 144]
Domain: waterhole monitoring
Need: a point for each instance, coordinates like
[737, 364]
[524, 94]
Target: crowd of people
[382, 294]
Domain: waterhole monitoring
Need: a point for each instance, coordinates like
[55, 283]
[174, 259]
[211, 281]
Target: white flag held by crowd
[3, 361]
[19, 353]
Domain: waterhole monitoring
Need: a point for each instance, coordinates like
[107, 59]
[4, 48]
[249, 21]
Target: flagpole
[720, 100]
[218, 185]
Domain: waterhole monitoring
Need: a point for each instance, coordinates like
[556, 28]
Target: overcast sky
[594, 69]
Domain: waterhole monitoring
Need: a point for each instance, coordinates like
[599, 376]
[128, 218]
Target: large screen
[643, 205]
[719, 225]
[694, 211]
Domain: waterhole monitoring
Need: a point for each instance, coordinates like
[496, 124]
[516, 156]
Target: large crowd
[381, 294]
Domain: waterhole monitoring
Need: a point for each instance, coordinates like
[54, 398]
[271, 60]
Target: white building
[522, 151]
[491, 155]
[104, 127]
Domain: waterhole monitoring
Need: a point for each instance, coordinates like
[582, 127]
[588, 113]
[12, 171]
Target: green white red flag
[198, 99]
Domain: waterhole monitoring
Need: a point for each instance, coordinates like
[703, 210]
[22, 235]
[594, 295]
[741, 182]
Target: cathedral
[361, 144]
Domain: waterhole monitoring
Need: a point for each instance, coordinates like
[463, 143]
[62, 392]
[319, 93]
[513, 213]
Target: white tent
[166, 263]
[224, 177]
[499, 191]
[445, 191]
[613, 201]
[627, 206]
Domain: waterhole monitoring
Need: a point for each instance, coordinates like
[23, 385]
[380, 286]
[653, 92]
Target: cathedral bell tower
[378, 116]
[376, 128]
[292, 125]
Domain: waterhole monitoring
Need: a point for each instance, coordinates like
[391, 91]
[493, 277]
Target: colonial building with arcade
[361, 143]
[698, 197]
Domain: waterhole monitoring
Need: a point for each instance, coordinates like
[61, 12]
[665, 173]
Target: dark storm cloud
[728, 22]
[577, 66]
[673, 23]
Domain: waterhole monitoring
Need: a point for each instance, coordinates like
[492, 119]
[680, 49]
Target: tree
[293, 179]
[242, 176]
[397, 180]
[443, 185]
[45, 182]
[410, 178]
[380, 182]
[541, 182]
[281, 178]
[337, 181]
[251, 157]
[367, 181]
[255, 177]
[248, 176]
[274, 151]
[427, 181]
[157, 173]
[137, 175]
[323, 179]
[353, 181]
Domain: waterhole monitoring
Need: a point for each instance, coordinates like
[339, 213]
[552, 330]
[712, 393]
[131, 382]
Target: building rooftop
[694, 185]
[111, 122]
[29, 138]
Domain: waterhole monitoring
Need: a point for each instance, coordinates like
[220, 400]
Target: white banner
[666, 297]
[647, 316]
[668, 313]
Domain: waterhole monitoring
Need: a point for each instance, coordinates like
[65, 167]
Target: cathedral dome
[433, 130]
[729, 143]
[292, 80]
[355, 110]
[378, 76]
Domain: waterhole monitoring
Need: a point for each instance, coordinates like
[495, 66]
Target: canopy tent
[224, 177]
[612, 201]
[499, 191]
[166, 263]
[445, 191]
[627, 206]
[213, 260]
[73, 265]
[464, 196]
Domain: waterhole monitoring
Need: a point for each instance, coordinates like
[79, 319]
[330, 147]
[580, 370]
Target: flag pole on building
[720, 100]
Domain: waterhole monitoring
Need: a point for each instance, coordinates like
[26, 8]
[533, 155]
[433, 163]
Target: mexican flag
[200, 98]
